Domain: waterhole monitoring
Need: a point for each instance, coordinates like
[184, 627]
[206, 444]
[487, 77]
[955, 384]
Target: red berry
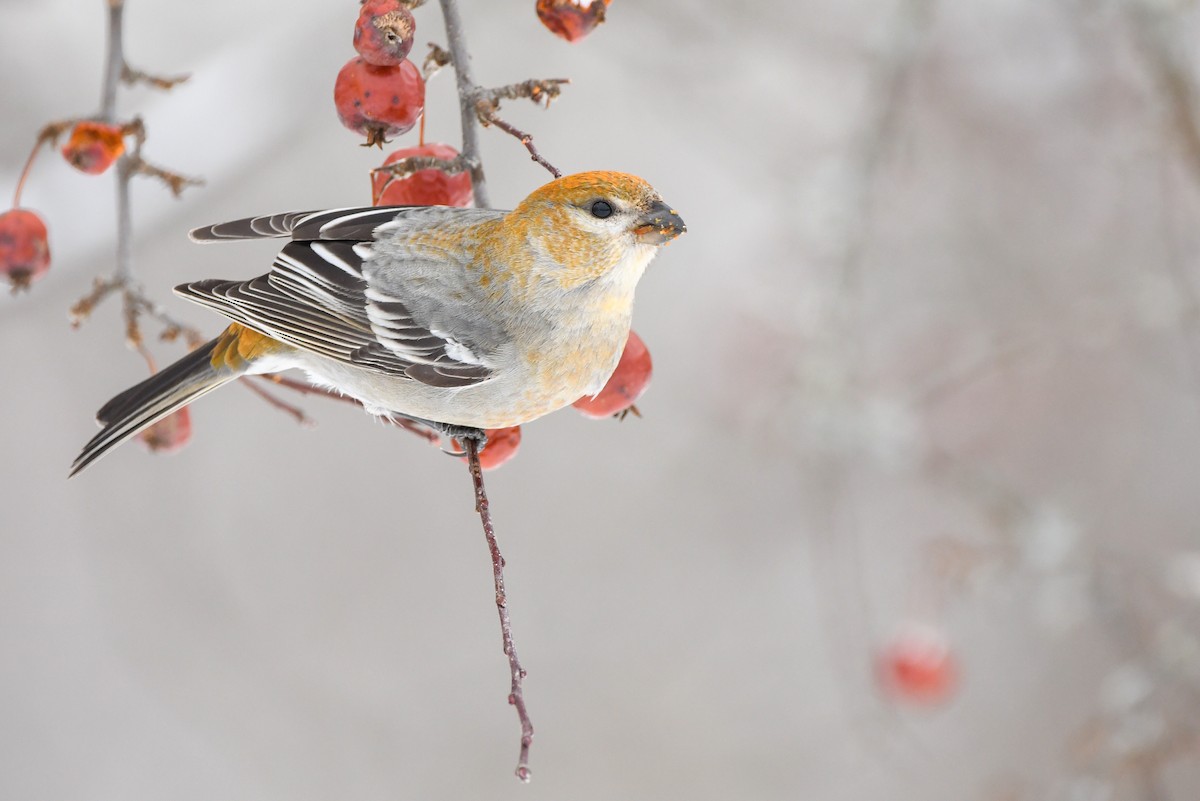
[916, 665]
[24, 251]
[624, 386]
[379, 101]
[169, 434]
[502, 444]
[430, 187]
[384, 32]
[571, 19]
[94, 146]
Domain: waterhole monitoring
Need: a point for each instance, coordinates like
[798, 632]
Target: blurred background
[911, 511]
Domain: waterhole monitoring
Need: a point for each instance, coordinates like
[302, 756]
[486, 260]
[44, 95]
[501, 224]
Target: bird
[461, 319]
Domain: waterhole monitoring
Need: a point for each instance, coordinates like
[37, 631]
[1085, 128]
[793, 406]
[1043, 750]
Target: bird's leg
[452, 432]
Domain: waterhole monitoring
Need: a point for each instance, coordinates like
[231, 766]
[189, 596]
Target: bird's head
[595, 224]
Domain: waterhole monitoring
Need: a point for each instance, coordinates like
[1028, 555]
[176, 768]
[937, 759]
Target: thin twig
[47, 136]
[134, 301]
[84, 306]
[487, 116]
[410, 165]
[278, 403]
[543, 91]
[403, 168]
[132, 77]
[172, 328]
[539, 90]
[516, 695]
[174, 181]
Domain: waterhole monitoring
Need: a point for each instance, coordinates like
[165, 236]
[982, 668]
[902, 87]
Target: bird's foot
[459, 435]
[454, 433]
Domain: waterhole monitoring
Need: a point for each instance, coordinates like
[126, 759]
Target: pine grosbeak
[471, 318]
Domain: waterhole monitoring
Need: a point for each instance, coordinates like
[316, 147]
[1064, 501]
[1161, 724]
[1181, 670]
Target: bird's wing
[321, 294]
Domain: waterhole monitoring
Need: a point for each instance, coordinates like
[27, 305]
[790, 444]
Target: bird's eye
[602, 209]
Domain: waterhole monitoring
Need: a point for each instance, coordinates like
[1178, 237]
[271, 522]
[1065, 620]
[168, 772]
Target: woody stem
[516, 695]
[115, 62]
[467, 91]
[25, 172]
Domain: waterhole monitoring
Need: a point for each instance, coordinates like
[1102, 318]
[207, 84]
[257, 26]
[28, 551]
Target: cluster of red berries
[380, 93]
[92, 148]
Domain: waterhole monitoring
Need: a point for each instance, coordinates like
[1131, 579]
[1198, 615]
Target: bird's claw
[461, 434]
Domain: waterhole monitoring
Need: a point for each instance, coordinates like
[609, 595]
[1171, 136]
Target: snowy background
[928, 353]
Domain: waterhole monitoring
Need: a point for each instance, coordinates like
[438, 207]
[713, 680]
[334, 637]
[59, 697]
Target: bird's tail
[172, 388]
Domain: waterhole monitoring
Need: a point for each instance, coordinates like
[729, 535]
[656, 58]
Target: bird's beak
[658, 225]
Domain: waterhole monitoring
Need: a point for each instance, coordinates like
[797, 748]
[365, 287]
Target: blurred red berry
[383, 35]
[430, 187]
[916, 665]
[24, 250]
[94, 146]
[379, 101]
[502, 444]
[624, 386]
[571, 19]
[169, 434]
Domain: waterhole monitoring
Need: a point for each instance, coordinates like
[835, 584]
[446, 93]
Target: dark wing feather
[317, 298]
[352, 224]
[275, 225]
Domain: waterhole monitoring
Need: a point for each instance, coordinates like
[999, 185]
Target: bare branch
[114, 61]
[82, 309]
[487, 116]
[278, 403]
[133, 77]
[172, 328]
[487, 108]
[539, 90]
[174, 181]
[467, 89]
[516, 695]
[134, 300]
[47, 136]
[469, 100]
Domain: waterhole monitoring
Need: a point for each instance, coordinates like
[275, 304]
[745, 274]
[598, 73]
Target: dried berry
[379, 101]
[24, 249]
[431, 187]
[94, 146]
[383, 35]
[169, 434]
[624, 386]
[571, 19]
